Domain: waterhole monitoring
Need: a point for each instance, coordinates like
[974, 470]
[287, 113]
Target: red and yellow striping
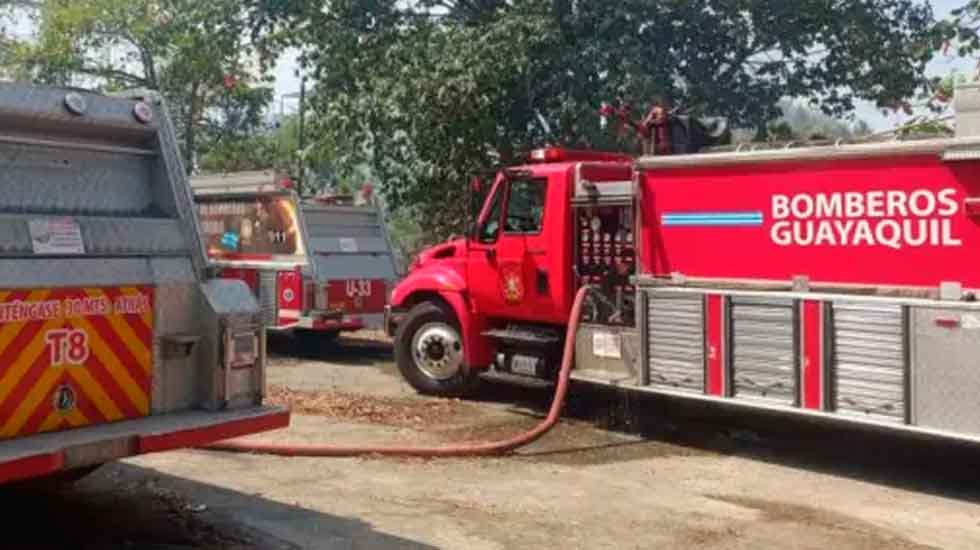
[74, 357]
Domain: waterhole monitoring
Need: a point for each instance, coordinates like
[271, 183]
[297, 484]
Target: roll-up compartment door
[869, 354]
[764, 355]
[676, 340]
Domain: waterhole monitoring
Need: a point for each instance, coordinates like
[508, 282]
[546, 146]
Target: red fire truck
[834, 281]
[317, 266]
[113, 341]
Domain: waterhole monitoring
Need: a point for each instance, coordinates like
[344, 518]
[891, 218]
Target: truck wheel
[429, 353]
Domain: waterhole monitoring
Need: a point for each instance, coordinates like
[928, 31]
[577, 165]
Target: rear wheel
[429, 353]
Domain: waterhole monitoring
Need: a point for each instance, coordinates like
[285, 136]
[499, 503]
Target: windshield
[263, 225]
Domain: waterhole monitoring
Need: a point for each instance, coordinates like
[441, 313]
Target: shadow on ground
[345, 350]
[913, 463]
[127, 507]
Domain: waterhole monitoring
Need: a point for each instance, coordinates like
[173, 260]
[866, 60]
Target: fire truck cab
[833, 281]
[501, 296]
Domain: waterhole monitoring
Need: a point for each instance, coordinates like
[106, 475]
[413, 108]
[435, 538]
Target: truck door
[502, 274]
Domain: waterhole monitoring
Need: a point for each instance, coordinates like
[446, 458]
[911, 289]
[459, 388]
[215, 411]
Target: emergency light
[558, 154]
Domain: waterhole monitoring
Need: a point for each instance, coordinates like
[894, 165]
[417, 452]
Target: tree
[195, 53]
[962, 30]
[800, 122]
[427, 91]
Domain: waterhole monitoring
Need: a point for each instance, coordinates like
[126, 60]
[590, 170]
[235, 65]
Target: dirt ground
[620, 472]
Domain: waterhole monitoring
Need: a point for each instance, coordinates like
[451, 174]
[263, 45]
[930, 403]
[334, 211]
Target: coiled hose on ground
[449, 451]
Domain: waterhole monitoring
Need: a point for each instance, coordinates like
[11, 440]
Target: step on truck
[318, 266]
[114, 341]
[837, 281]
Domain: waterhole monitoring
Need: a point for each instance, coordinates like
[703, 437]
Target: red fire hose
[480, 449]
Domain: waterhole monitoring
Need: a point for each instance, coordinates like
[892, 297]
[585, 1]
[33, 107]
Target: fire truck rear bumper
[341, 322]
[51, 453]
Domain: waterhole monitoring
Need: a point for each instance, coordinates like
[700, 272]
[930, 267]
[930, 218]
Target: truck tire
[429, 353]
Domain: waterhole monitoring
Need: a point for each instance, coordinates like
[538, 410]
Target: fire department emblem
[511, 284]
[64, 399]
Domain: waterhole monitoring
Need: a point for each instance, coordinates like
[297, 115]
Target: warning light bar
[558, 154]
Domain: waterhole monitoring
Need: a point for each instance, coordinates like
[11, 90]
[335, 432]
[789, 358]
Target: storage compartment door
[764, 350]
[869, 354]
[676, 340]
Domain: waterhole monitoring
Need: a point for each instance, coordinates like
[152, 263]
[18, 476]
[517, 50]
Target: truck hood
[439, 269]
[445, 251]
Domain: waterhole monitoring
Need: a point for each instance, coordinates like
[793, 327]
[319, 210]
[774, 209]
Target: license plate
[528, 366]
[357, 296]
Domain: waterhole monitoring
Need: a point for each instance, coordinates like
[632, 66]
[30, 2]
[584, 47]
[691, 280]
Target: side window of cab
[489, 229]
[525, 207]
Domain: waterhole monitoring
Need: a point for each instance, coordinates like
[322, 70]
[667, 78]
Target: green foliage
[241, 155]
[962, 30]
[186, 49]
[426, 92]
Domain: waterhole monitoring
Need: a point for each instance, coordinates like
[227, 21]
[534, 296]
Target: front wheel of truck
[429, 353]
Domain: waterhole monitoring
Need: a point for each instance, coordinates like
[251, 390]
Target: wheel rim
[438, 351]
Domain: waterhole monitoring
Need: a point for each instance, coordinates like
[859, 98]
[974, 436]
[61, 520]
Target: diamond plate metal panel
[102, 236]
[116, 237]
[869, 354]
[676, 341]
[175, 384]
[363, 245]
[172, 270]
[50, 180]
[15, 237]
[341, 222]
[74, 272]
[177, 187]
[354, 266]
[764, 359]
[946, 372]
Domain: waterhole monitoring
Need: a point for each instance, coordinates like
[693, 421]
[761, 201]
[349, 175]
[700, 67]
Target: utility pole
[302, 137]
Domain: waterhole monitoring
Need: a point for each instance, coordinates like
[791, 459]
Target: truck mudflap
[45, 454]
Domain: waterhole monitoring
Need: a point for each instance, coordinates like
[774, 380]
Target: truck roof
[260, 181]
[964, 146]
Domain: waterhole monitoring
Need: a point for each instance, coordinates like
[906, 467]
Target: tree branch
[112, 73]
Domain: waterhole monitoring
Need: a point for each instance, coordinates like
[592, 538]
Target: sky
[288, 83]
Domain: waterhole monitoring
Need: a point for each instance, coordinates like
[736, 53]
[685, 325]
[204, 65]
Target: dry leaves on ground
[366, 408]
